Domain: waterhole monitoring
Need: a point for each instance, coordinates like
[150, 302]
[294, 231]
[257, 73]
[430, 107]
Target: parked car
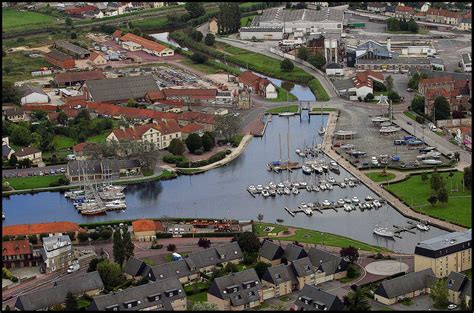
[63, 170]
[452, 306]
[73, 268]
[409, 89]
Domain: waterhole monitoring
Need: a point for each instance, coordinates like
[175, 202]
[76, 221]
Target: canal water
[164, 37]
[221, 193]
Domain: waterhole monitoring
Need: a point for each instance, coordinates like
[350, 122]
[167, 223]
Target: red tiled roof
[94, 55]
[197, 117]
[434, 93]
[43, 228]
[248, 78]
[78, 76]
[452, 14]
[117, 33]
[135, 132]
[191, 128]
[16, 247]
[176, 103]
[436, 80]
[71, 112]
[169, 127]
[465, 130]
[154, 95]
[400, 8]
[148, 44]
[45, 107]
[79, 147]
[144, 225]
[80, 10]
[52, 116]
[420, 14]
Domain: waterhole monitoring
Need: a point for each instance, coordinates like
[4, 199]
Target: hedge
[163, 235]
[215, 158]
[199, 235]
[174, 159]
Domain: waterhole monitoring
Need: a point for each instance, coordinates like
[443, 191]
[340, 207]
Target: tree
[303, 53]
[171, 247]
[10, 93]
[198, 57]
[83, 236]
[439, 294]
[286, 65]
[204, 306]
[443, 194]
[193, 142]
[379, 86]
[418, 104]
[357, 301]
[424, 176]
[261, 268]
[93, 265]
[131, 103]
[248, 242]
[394, 96]
[414, 81]
[442, 109]
[351, 271]
[176, 147]
[118, 248]
[71, 302]
[432, 200]
[389, 82]
[57, 307]
[210, 39]
[229, 17]
[83, 115]
[317, 60]
[412, 26]
[195, 9]
[436, 181]
[68, 21]
[468, 177]
[136, 31]
[227, 125]
[105, 233]
[196, 35]
[73, 35]
[207, 142]
[204, 243]
[110, 273]
[260, 217]
[129, 247]
[351, 253]
[13, 160]
[369, 96]
[62, 118]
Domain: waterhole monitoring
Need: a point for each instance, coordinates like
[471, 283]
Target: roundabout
[386, 267]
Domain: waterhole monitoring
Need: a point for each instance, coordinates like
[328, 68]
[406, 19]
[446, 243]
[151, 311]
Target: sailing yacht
[322, 130]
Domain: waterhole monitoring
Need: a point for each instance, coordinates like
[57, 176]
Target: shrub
[174, 159]
[94, 235]
[83, 236]
[14, 279]
[198, 57]
[198, 152]
[249, 258]
[63, 181]
[163, 235]
[171, 247]
[105, 233]
[286, 65]
[369, 96]
[33, 239]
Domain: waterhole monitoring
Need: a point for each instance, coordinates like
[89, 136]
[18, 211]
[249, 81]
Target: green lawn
[21, 183]
[415, 193]
[204, 67]
[83, 303]
[379, 93]
[324, 109]
[17, 66]
[258, 228]
[378, 177]
[200, 286]
[151, 24]
[288, 108]
[13, 19]
[318, 90]
[99, 138]
[63, 142]
[282, 96]
[246, 20]
[199, 297]
[148, 261]
[410, 115]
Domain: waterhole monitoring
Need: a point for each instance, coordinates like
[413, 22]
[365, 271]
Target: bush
[369, 96]
[286, 65]
[174, 159]
[198, 57]
[171, 247]
[210, 39]
[163, 235]
[83, 236]
[105, 233]
[198, 235]
[198, 152]
[94, 235]
[14, 279]
[249, 258]
[33, 239]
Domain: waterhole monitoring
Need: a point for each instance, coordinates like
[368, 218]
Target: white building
[334, 69]
[466, 62]
[57, 253]
[32, 95]
[261, 33]
[358, 86]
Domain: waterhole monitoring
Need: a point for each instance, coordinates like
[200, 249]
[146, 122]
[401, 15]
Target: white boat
[295, 191]
[429, 155]
[383, 231]
[343, 185]
[321, 130]
[347, 200]
[265, 193]
[113, 188]
[303, 184]
[116, 205]
[325, 168]
[298, 151]
[355, 200]
[272, 185]
[3, 215]
[252, 188]
[432, 162]
[280, 185]
[272, 192]
[322, 187]
[347, 146]
[287, 191]
[296, 185]
[376, 203]
[111, 195]
[316, 188]
[74, 193]
[340, 201]
[286, 114]
[351, 184]
[331, 179]
[302, 154]
[94, 211]
[422, 226]
[309, 188]
[259, 188]
[347, 207]
[306, 170]
[308, 212]
[329, 186]
[389, 129]
[326, 203]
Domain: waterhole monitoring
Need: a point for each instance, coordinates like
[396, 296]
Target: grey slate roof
[430, 73]
[240, 288]
[445, 240]
[334, 65]
[26, 151]
[160, 272]
[342, 84]
[302, 15]
[294, 252]
[6, 150]
[280, 274]
[327, 262]
[113, 89]
[456, 281]
[467, 290]
[407, 283]
[437, 61]
[134, 267]
[71, 47]
[82, 283]
[13, 112]
[27, 89]
[259, 29]
[312, 298]
[270, 250]
[141, 297]
[303, 267]
[407, 61]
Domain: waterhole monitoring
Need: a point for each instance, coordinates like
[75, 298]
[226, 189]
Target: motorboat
[325, 168]
[298, 151]
[429, 155]
[112, 188]
[383, 231]
[322, 187]
[287, 183]
[329, 186]
[331, 179]
[333, 167]
[303, 184]
[369, 198]
[69, 194]
[347, 146]
[272, 192]
[317, 168]
[343, 185]
[280, 191]
[287, 191]
[351, 184]
[376, 203]
[111, 195]
[116, 205]
[389, 129]
[265, 193]
[306, 170]
[309, 188]
[422, 226]
[308, 212]
[355, 200]
[286, 114]
[95, 211]
[340, 202]
[432, 162]
[272, 185]
[326, 203]
[347, 200]
[346, 180]
[3, 215]
[321, 130]
[295, 191]
[296, 185]
[347, 207]
[252, 188]
[302, 154]
[316, 188]
[280, 185]
[426, 149]
[357, 153]
[259, 188]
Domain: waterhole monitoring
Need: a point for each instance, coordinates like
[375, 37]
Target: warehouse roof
[121, 88]
[71, 47]
[302, 15]
[259, 29]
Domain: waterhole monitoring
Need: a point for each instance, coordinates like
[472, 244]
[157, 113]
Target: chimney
[389, 44]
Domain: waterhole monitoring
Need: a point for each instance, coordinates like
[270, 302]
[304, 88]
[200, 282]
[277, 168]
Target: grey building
[311, 298]
[294, 252]
[393, 65]
[134, 267]
[57, 253]
[72, 49]
[459, 288]
[261, 33]
[270, 252]
[100, 169]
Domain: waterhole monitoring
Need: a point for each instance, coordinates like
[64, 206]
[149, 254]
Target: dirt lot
[44, 49]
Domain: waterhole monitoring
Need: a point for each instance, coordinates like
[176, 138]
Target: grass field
[258, 228]
[289, 108]
[199, 297]
[62, 142]
[246, 20]
[16, 66]
[282, 96]
[99, 138]
[151, 24]
[416, 192]
[378, 177]
[318, 90]
[22, 183]
[17, 20]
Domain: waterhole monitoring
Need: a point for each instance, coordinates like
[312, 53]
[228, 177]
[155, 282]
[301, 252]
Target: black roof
[327, 262]
[134, 267]
[457, 281]
[100, 166]
[279, 274]
[294, 252]
[114, 89]
[334, 65]
[304, 267]
[407, 283]
[270, 250]
[240, 288]
[311, 298]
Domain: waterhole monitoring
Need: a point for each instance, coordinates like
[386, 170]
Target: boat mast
[288, 140]
[279, 141]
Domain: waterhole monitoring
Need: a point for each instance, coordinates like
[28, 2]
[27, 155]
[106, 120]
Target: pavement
[386, 267]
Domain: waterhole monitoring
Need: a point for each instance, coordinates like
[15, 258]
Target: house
[437, 64]
[294, 252]
[467, 140]
[359, 86]
[35, 155]
[466, 62]
[158, 134]
[14, 115]
[97, 59]
[60, 59]
[404, 12]
[54, 228]
[459, 288]
[213, 27]
[335, 69]
[376, 7]
[134, 268]
[267, 89]
[444, 254]
[466, 22]
[207, 121]
[407, 286]
[191, 95]
[270, 252]
[145, 230]
[443, 16]
[236, 292]
[190, 129]
[72, 49]
[89, 284]
[425, 7]
[32, 95]
[19, 253]
[57, 253]
[166, 295]
[121, 89]
[312, 298]
[80, 11]
[395, 65]
[370, 50]
[257, 84]
[101, 169]
[390, 10]
[149, 46]
[69, 79]
[280, 279]
[7, 151]
[79, 150]
[183, 269]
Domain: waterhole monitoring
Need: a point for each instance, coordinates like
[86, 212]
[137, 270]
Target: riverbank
[233, 155]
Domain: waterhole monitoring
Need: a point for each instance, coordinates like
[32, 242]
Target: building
[312, 298]
[278, 281]
[69, 79]
[261, 33]
[236, 292]
[158, 134]
[407, 286]
[14, 115]
[396, 65]
[149, 46]
[459, 288]
[72, 49]
[145, 230]
[257, 84]
[7, 151]
[191, 95]
[121, 89]
[31, 153]
[79, 150]
[101, 169]
[443, 16]
[60, 59]
[57, 253]
[270, 252]
[89, 283]
[466, 62]
[335, 69]
[213, 26]
[134, 268]
[437, 64]
[359, 86]
[445, 254]
[404, 12]
[294, 252]
[19, 253]
[376, 7]
[466, 22]
[32, 95]
[97, 59]
[166, 295]
[369, 50]
[54, 228]
[80, 11]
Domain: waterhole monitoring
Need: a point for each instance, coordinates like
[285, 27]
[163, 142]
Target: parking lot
[35, 171]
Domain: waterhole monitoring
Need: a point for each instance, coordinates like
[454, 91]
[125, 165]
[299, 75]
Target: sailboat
[322, 130]
[383, 231]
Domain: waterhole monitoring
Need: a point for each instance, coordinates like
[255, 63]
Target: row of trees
[394, 24]
[229, 17]
[438, 187]
[316, 59]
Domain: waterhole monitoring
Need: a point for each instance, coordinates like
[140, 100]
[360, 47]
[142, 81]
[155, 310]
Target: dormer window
[451, 283]
[155, 297]
[251, 293]
[223, 256]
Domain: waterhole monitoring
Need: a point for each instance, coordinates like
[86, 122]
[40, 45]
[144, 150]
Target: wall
[282, 54]
[454, 122]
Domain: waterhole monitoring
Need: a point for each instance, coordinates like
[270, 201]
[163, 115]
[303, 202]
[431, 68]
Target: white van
[73, 268]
